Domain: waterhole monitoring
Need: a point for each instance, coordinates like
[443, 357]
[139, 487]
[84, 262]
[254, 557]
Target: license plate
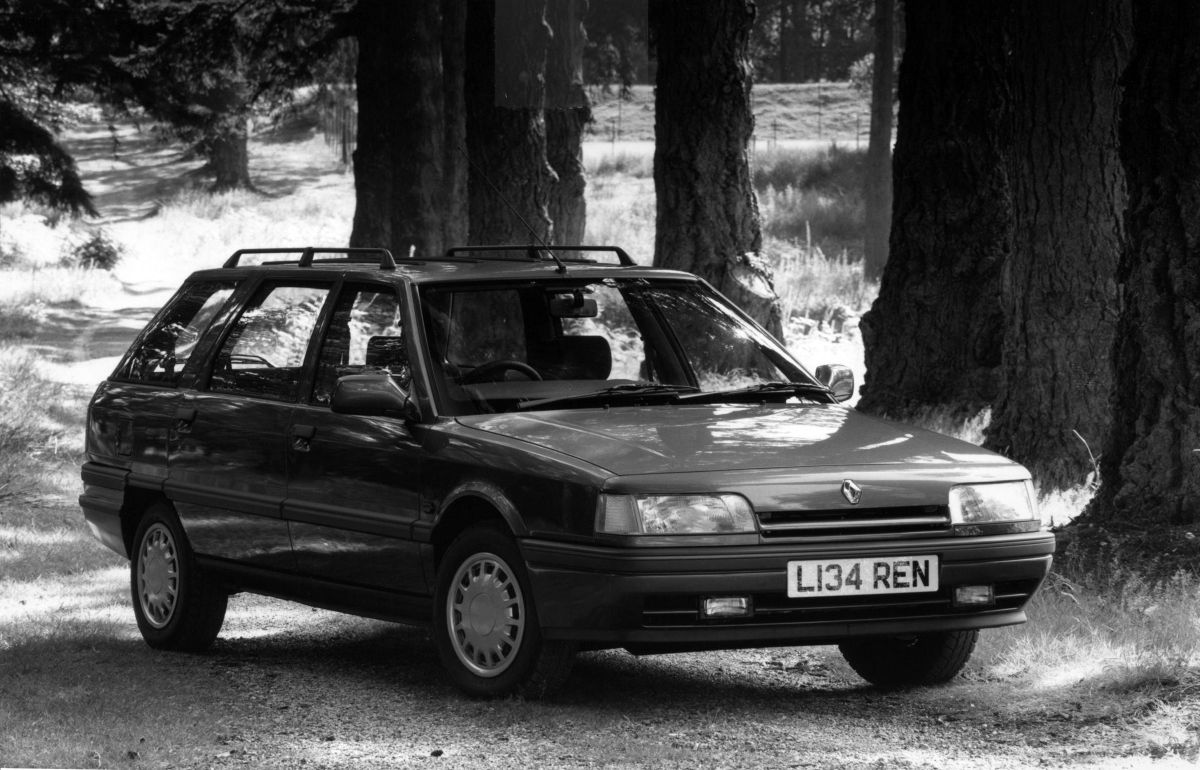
[862, 577]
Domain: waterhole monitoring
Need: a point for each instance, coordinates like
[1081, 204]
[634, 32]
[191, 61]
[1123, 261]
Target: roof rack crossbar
[479, 252]
[308, 253]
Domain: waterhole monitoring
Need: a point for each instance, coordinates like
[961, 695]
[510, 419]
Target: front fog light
[725, 607]
[974, 596]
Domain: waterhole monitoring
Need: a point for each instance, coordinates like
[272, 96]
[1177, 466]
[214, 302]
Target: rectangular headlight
[674, 514]
[990, 503]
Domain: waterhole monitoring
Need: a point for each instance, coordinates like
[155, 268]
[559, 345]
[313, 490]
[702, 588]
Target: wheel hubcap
[158, 576]
[485, 612]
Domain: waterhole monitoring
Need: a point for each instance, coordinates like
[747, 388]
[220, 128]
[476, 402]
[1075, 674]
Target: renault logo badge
[851, 491]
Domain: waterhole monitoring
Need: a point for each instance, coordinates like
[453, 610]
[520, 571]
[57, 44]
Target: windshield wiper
[628, 390]
[760, 389]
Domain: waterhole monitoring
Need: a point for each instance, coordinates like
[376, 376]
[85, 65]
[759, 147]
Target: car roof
[458, 265]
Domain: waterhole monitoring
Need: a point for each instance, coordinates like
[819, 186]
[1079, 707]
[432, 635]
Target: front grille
[676, 610]
[857, 522]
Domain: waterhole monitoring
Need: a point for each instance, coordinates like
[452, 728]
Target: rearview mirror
[837, 378]
[372, 395]
[572, 306]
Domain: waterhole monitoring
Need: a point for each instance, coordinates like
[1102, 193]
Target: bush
[21, 320]
[862, 74]
[832, 170]
[98, 252]
[26, 400]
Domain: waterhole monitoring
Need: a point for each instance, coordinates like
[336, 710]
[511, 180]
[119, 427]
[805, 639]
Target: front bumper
[648, 599]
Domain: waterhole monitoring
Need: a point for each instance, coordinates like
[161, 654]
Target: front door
[353, 481]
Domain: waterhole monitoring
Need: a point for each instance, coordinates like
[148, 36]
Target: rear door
[353, 481]
[228, 465]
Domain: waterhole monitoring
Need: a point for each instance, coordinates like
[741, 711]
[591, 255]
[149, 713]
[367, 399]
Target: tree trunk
[933, 336]
[1059, 296]
[510, 178]
[1151, 463]
[228, 158]
[567, 113]
[454, 65]
[399, 163]
[784, 59]
[877, 195]
[708, 219]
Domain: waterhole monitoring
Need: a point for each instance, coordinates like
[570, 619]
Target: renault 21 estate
[535, 453]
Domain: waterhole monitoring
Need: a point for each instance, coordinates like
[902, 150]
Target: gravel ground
[288, 686]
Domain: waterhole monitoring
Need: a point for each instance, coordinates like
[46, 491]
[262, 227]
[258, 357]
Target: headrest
[572, 358]
[386, 352]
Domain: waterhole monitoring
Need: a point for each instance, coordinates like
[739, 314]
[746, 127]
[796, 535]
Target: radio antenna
[562, 268]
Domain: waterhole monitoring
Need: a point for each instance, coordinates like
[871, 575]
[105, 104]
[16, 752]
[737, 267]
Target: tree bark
[229, 159]
[567, 113]
[454, 65]
[1150, 468]
[1058, 293]
[933, 336]
[708, 220]
[399, 163]
[877, 197]
[510, 178]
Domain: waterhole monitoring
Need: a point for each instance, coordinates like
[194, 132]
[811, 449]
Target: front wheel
[176, 608]
[485, 626]
[906, 661]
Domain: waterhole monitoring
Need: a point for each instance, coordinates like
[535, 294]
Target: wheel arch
[137, 501]
[472, 505]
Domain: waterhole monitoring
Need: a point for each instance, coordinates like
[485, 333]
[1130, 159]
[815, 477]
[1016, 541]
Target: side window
[264, 352]
[166, 348]
[365, 334]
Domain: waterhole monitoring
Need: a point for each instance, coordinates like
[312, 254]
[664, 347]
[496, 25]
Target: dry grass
[815, 286]
[782, 112]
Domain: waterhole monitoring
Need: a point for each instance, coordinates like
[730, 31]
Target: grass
[782, 112]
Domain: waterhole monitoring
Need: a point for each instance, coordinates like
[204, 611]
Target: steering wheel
[488, 371]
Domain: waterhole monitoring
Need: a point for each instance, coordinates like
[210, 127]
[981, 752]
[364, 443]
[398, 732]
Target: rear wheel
[485, 625]
[904, 661]
[176, 608]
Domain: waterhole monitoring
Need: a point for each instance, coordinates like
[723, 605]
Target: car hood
[709, 438]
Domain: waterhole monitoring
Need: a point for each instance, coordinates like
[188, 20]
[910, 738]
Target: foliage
[98, 252]
[203, 68]
[862, 73]
[33, 166]
[616, 52]
[807, 41]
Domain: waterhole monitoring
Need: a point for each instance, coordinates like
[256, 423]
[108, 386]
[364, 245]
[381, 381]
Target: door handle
[302, 436]
[184, 417]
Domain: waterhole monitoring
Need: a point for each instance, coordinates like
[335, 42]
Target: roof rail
[386, 261]
[534, 252]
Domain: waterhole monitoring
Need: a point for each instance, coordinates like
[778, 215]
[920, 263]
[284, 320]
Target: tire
[908, 661]
[176, 608]
[485, 624]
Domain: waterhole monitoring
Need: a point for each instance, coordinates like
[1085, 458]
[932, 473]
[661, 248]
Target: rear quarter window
[162, 352]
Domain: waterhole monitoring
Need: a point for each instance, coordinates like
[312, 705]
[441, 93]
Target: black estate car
[537, 452]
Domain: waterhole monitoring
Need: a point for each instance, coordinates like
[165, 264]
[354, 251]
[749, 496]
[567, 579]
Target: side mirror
[837, 378]
[372, 395]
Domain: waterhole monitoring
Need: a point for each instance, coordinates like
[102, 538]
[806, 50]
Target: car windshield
[583, 343]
